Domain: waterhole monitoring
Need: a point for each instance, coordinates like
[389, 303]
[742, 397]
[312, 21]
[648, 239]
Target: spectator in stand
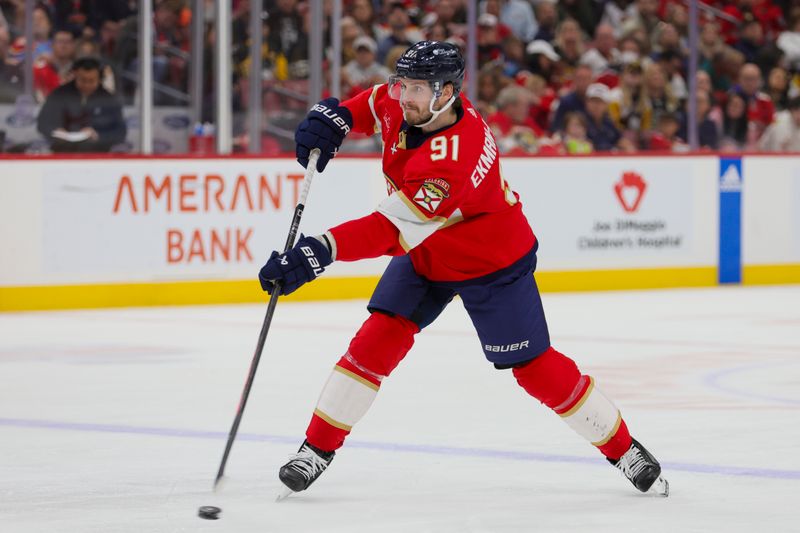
[658, 94]
[707, 130]
[672, 64]
[630, 50]
[667, 39]
[90, 14]
[644, 18]
[789, 42]
[704, 83]
[436, 32]
[710, 44]
[451, 14]
[350, 32]
[616, 12]
[665, 137]
[489, 45]
[547, 17]
[286, 30]
[569, 42]
[599, 128]
[42, 28]
[628, 104]
[574, 100]
[677, 14]
[171, 41]
[576, 140]
[581, 11]
[760, 110]
[783, 135]
[768, 15]
[604, 54]
[364, 71]
[518, 16]
[55, 68]
[363, 12]
[542, 60]
[512, 125]
[735, 133]
[513, 56]
[751, 38]
[543, 98]
[489, 85]
[109, 34]
[11, 77]
[399, 31]
[81, 116]
[393, 55]
[778, 88]
[725, 68]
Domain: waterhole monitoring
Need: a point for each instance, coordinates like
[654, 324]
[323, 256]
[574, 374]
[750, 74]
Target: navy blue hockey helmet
[434, 61]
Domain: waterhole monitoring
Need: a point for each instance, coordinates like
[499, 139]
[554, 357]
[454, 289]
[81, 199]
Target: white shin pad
[594, 417]
[345, 398]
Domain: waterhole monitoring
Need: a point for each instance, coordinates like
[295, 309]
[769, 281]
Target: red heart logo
[630, 191]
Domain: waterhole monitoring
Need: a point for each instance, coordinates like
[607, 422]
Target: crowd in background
[566, 76]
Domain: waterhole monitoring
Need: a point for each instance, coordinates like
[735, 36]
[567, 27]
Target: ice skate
[642, 469]
[303, 469]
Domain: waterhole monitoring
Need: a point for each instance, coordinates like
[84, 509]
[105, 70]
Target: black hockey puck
[209, 512]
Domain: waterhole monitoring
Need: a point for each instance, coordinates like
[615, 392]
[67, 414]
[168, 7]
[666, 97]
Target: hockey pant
[384, 340]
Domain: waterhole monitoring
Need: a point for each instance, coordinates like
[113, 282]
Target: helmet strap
[436, 113]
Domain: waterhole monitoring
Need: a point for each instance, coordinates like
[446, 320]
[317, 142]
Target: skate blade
[285, 493]
[660, 487]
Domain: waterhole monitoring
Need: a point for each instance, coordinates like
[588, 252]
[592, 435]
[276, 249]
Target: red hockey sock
[374, 352]
[554, 379]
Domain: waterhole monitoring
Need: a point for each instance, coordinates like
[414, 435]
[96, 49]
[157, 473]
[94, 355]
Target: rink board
[158, 231]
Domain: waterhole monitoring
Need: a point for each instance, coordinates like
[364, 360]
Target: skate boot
[642, 469]
[303, 468]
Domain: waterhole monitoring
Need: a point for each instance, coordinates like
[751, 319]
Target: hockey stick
[273, 301]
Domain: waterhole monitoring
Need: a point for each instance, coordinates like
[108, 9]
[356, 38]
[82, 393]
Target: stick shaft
[273, 302]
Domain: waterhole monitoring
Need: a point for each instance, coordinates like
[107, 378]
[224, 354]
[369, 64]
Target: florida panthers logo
[431, 194]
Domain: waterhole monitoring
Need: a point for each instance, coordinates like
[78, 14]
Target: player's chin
[415, 119]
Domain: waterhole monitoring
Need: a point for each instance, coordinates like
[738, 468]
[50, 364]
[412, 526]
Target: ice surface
[115, 420]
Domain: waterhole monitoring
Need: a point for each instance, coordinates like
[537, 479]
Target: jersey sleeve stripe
[391, 182]
[412, 225]
[372, 107]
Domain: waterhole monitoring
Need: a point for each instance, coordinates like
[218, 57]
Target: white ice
[115, 420]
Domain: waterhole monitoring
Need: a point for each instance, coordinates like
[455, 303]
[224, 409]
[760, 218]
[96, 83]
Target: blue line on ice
[767, 473]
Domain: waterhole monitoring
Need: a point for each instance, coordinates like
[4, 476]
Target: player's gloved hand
[324, 127]
[301, 264]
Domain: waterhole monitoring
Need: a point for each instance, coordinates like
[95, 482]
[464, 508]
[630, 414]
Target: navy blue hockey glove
[301, 264]
[324, 127]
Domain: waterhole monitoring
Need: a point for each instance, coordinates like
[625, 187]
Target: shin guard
[555, 380]
[374, 352]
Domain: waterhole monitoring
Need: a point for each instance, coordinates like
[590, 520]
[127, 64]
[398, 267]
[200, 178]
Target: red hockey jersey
[448, 205]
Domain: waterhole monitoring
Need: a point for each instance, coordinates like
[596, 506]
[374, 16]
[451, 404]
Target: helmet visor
[410, 90]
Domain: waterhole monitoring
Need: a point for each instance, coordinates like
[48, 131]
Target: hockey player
[453, 227]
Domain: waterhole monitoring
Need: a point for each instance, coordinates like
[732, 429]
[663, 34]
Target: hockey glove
[324, 127]
[301, 264]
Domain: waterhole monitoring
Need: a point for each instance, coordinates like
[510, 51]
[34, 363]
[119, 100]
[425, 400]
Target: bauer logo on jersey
[431, 194]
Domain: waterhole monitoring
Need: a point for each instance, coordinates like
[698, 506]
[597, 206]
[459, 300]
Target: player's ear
[447, 91]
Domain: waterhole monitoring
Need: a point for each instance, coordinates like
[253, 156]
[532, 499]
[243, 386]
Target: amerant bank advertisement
[176, 218]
